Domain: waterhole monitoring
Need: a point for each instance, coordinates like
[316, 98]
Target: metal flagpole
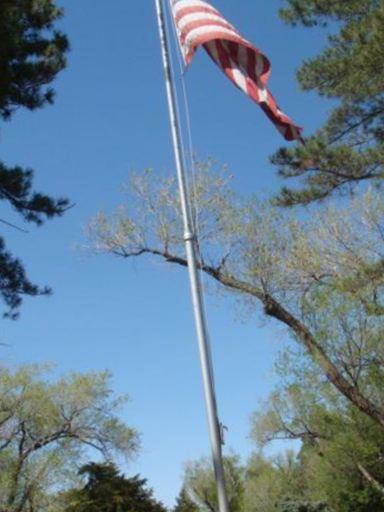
[196, 292]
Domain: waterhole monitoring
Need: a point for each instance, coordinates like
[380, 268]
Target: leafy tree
[272, 483]
[47, 428]
[276, 484]
[108, 491]
[341, 454]
[349, 148]
[320, 277]
[32, 54]
[184, 503]
[200, 484]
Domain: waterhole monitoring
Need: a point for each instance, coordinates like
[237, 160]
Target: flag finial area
[198, 23]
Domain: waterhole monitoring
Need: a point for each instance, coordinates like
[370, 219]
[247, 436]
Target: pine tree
[349, 148]
[32, 54]
[108, 491]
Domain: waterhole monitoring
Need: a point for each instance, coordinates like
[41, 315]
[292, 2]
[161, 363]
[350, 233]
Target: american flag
[200, 24]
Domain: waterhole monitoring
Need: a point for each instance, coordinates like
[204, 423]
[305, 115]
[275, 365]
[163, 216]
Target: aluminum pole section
[191, 250]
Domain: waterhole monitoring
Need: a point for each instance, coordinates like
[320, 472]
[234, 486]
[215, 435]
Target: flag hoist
[198, 23]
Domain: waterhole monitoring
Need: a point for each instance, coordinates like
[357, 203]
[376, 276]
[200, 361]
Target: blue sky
[134, 318]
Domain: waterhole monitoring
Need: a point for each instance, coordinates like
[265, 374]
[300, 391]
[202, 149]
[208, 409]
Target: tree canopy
[200, 484]
[262, 484]
[106, 490]
[48, 427]
[32, 54]
[184, 503]
[318, 276]
[349, 148]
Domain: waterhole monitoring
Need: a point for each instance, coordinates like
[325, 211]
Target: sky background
[134, 318]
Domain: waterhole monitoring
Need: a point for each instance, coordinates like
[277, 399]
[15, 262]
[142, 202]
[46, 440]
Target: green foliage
[322, 278]
[349, 148]
[314, 12]
[341, 454]
[270, 483]
[14, 282]
[319, 276]
[108, 491]
[184, 503]
[262, 485]
[47, 428]
[200, 484]
[346, 465]
[16, 189]
[32, 54]
[304, 507]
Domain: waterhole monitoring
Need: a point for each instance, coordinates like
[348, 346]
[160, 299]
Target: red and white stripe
[200, 24]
